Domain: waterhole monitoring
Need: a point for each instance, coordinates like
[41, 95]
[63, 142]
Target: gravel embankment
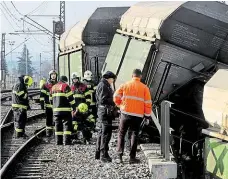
[77, 161]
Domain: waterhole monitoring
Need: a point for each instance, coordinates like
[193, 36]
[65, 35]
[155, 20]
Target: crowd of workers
[83, 105]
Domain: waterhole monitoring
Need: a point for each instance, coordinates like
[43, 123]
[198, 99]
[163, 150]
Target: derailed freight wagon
[85, 45]
[179, 47]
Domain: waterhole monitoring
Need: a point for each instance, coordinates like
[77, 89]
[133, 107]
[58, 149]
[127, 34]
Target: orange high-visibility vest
[134, 98]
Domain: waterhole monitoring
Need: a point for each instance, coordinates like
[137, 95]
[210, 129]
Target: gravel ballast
[77, 161]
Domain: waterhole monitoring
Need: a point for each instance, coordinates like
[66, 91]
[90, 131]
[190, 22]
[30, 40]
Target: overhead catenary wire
[11, 14]
[7, 19]
[17, 47]
[44, 2]
[16, 8]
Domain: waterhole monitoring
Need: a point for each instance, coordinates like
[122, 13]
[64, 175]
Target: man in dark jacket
[105, 104]
[63, 101]
[20, 103]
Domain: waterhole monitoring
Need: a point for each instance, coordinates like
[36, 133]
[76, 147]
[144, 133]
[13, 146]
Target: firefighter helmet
[83, 108]
[28, 80]
[88, 75]
[52, 71]
[75, 75]
[64, 79]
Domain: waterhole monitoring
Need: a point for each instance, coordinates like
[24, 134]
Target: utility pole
[40, 66]
[3, 62]
[26, 60]
[63, 20]
[11, 43]
[54, 44]
[62, 14]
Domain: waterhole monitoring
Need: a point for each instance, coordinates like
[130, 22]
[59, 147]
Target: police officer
[91, 86]
[104, 96]
[46, 101]
[84, 121]
[63, 101]
[80, 91]
[20, 103]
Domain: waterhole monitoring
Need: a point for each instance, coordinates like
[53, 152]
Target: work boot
[105, 157]
[67, 140]
[59, 140]
[120, 158]
[97, 155]
[18, 134]
[133, 160]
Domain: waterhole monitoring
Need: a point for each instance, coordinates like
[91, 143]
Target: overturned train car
[178, 46]
[85, 45]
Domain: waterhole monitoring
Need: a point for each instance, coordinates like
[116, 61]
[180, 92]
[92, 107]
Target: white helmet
[88, 75]
[75, 75]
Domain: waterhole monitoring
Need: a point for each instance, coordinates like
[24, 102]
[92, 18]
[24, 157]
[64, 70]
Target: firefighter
[91, 91]
[20, 104]
[135, 103]
[79, 90]
[42, 82]
[46, 101]
[84, 121]
[104, 96]
[63, 101]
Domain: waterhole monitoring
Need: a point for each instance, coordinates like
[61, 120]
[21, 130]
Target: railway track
[6, 110]
[12, 148]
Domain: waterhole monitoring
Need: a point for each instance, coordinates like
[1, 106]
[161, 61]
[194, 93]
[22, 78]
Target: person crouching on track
[63, 101]
[84, 122]
[46, 101]
[20, 104]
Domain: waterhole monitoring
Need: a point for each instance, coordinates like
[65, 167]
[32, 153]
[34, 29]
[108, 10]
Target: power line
[16, 8]
[37, 7]
[11, 16]
[17, 47]
[7, 19]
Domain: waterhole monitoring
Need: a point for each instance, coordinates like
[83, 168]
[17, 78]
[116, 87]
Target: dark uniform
[63, 100]
[46, 100]
[80, 90]
[92, 94]
[84, 122]
[104, 96]
[20, 104]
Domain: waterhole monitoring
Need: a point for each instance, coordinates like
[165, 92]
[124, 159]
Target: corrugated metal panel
[136, 56]
[115, 54]
[201, 27]
[145, 18]
[177, 76]
[72, 39]
[100, 51]
[102, 25]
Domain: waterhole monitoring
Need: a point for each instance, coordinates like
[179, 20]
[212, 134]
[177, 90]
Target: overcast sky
[75, 11]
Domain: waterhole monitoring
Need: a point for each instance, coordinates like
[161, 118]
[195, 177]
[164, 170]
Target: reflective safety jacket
[63, 99]
[20, 95]
[82, 121]
[91, 91]
[42, 82]
[45, 97]
[134, 98]
[81, 94]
